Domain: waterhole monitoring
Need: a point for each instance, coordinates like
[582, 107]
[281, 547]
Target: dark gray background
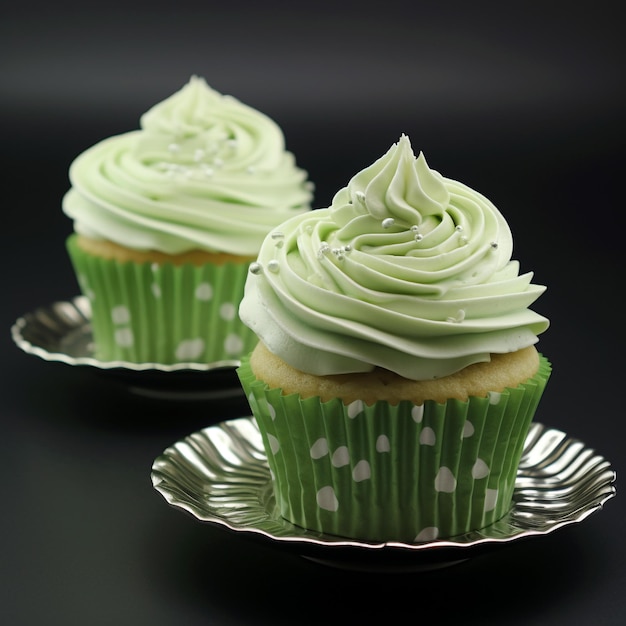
[522, 101]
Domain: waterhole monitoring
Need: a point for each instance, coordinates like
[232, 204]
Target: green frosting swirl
[204, 172]
[406, 270]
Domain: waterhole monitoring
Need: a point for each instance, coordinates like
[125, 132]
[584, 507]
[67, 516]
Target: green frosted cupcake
[393, 472]
[167, 220]
[396, 375]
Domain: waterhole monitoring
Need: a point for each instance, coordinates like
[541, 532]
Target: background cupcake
[397, 375]
[167, 219]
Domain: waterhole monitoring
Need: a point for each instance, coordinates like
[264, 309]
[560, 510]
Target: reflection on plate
[220, 475]
[61, 332]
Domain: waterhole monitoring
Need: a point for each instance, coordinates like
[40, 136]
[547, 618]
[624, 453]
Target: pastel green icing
[204, 172]
[406, 270]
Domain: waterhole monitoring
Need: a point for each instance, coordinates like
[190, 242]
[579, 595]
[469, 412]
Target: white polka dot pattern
[444, 481]
[162, 313]
[394, 472]
[327, 500]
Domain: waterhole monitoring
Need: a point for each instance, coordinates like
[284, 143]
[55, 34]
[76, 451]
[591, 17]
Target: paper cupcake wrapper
[404, 473]
[162, 313]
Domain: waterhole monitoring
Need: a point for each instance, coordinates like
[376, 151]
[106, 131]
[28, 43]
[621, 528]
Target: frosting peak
[399, 186]
[203, 172]
[406, 270]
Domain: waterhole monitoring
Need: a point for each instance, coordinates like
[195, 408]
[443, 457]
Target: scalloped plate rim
[304, 539]
[81, 305]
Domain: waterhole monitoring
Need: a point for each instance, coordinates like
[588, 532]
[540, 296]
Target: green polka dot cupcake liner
[407, 473]
[162, 313]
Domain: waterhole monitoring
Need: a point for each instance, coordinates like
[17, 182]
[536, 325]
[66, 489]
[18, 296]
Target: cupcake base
[162, 312]
[386, 472]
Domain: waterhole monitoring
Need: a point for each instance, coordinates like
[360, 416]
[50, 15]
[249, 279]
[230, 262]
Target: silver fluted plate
[220, 475]
[61, 332]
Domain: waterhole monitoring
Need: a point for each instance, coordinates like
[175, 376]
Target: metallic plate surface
[61, 332]
[220, 475]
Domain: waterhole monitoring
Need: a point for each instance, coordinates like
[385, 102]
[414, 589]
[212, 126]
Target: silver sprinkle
[347, 248]
[273, 266]
[462, 240]
[460, 316]
[415, 228]
[388, 222]
[256, 268]
[360, 196]
[494, 245]
[277, 234]
[419, 237]
[323, 251]
[458, 228]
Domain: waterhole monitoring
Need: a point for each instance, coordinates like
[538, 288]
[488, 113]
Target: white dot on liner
[120, 315]
[156, 290]
[271, 410]
[417, 413]
[430, 533]
[228, 311]
[480, 470]
[233, 345]
[445, 481]
[274, 445]
[494, 397]
[319, 448]
[382, 444]
[491, 498]
[204, 292]
[341, 457]
[354, 408]
[124, 337]
[468, 430]
[427, 437]
[326, 499]
[190, 349]
[361, 471]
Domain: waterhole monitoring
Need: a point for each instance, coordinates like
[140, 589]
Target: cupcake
[396, 373]
[166, 220]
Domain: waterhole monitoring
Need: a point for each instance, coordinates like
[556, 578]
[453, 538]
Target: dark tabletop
[524, 106]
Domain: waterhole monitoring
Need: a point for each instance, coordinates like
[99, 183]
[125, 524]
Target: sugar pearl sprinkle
[351, 466]
[458, 318]
[206, 160]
